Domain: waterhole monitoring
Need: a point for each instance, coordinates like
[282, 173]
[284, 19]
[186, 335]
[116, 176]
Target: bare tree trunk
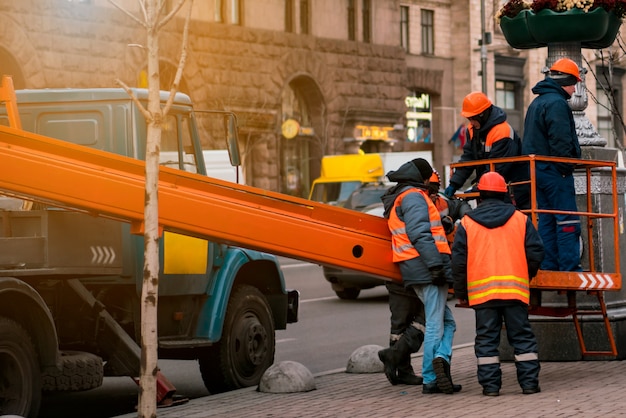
[150, 288]
[154, 115]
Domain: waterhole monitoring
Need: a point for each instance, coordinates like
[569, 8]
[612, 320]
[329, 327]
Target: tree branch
[135, 100]
[171, 14]
[181, 62]
[129, 14]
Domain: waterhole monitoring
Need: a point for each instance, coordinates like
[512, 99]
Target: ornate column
[587, 134]
[565, 34]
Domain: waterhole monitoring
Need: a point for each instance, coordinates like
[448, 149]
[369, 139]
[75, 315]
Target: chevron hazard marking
[595, 281]
[102, 254]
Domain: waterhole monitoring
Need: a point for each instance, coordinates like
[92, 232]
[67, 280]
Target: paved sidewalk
[569, 389]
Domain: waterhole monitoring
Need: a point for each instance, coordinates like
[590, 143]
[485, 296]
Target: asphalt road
[328, 331]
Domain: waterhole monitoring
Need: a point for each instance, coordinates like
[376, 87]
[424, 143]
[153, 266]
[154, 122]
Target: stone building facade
[306, 78]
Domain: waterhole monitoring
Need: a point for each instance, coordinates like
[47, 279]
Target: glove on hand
[448, 224]
[438, 276]
[449, 192]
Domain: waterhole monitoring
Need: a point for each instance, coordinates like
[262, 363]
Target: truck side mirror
[232, 139]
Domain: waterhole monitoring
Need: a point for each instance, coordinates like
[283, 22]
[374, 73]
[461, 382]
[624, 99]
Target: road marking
[319, 299]
[285, 340]
[297, 265]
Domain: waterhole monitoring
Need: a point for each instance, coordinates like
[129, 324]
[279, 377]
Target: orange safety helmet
[492, 182]
[434, 178]
[567, 66]
[474, 104]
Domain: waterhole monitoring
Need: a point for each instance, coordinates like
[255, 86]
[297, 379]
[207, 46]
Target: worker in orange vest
[420, 248]
[407, 311]
[495, 254]
[451, 210]
[490, 136]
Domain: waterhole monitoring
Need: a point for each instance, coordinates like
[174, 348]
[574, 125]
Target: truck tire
[80, 371]
[348, 293]
[247, 346]
[20, 377]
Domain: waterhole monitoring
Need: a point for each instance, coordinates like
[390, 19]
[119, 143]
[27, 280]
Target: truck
[67, 319]
[341, 175]
[357, 181]
[70, 281]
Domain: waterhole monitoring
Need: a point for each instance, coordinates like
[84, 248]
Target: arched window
[302, 139]
[9, 66]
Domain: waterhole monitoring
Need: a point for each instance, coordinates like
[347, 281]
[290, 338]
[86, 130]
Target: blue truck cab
[82, 275]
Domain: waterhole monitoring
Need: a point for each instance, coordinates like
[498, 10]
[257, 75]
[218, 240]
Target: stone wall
[62, 44]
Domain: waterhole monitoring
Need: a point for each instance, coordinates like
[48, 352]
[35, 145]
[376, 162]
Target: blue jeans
[440, 327]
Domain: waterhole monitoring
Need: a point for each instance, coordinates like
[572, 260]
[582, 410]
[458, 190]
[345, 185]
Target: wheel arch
[24, 305]
[243, 267]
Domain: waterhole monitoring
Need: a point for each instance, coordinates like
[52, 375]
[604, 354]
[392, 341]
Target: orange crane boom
[106, 184]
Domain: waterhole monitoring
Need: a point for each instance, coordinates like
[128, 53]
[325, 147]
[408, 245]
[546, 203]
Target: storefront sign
[380, 133]
[290, 128]
[418, 118]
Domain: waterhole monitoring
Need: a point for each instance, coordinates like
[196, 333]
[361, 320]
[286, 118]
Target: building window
[404, 27]
[428, 32]
[605, 125]
[289, 24]
[367, 21]
[351, 21]
[505, 94]
[609, 99]
[218, 13]
[304, 17]
[509, 88]
[235, 12]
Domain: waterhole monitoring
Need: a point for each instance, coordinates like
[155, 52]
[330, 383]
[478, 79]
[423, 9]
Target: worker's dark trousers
[560, 233]
[520, 336]
[405, 308]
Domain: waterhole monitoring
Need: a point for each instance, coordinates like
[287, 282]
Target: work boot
[444, 378]
[392, 357]
[430, 388]
[455, 388]
[406, 375]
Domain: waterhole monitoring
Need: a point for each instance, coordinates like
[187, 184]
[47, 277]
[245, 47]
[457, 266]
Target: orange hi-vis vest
[498, 132]
[496, 267]
[444, 210]
[402, 247]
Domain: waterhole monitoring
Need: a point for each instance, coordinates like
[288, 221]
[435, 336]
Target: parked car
[347, 284]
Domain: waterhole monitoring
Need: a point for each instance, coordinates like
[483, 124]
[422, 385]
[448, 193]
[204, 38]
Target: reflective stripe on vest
[401, 245]
[500, 131]
[496, 267]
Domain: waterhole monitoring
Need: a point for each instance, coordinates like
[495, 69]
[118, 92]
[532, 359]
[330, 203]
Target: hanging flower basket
[516, 32]
[609, 37]
[570, 26]
[595, 29]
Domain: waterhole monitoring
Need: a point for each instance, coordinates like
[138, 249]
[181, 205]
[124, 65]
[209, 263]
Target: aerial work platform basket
[591, 281]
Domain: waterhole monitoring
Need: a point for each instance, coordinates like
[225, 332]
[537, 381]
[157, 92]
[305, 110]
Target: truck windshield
[176, 145]
[335, 193]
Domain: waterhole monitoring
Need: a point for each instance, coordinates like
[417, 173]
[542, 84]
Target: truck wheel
[247, 346]
[80, 371]
[348, 293]
[20, 377]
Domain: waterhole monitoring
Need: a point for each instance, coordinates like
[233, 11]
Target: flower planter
[595, 30]
[571, 26]
[516, 32]
[609, 37]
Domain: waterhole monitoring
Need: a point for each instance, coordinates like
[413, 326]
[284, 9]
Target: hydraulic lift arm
[106, 184]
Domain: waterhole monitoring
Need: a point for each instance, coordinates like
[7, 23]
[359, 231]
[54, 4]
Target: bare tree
[153, 18]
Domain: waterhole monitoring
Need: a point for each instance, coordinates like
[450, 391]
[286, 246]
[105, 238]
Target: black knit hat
[563, 79]
[423, 167]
